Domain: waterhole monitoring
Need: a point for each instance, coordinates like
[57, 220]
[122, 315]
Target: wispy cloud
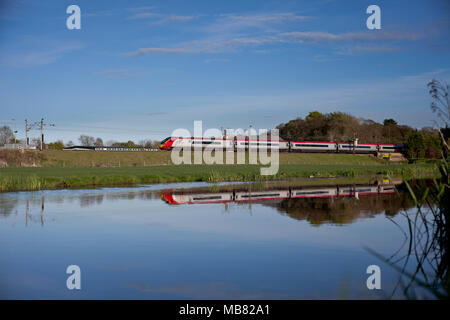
[230, 23]
[317, 36]
[120, 73]
[363, 49]
[103, 13]
[219, 45]
[216, 60]
[174, 18]
[140, 9]
[232, 32]
[144, 15]
[143, 51]
[38, 58]
[324, 58]
[141, 13]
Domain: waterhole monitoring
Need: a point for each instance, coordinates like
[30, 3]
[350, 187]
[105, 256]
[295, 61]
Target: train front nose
[164, 144]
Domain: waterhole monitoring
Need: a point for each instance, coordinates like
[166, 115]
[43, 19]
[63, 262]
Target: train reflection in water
[239, 195]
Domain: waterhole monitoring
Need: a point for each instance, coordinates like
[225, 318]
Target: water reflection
[204, 241]
[338, 204]
[424, 261]
[318, 204]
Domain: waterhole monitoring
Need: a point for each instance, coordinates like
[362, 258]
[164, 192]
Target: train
[171, 143]
[241, 196]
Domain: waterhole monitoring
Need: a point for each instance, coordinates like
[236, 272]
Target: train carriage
[296, 146]
[178, 143]
[390, 147]
[359, 147]
[314, 193]
[357, 191]
[174, 198]
[262, 144]
[313, 146]
[354, 191]
[262, 195]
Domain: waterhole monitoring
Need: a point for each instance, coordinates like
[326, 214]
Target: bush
[58, 145]
[421, 145]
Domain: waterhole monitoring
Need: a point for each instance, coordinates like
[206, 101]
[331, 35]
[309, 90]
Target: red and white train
[282, 145]
[178, 198]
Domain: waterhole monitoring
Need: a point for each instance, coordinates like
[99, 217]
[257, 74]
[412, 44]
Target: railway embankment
[111, 159]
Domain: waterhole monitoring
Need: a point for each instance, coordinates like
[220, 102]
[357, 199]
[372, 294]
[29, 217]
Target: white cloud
[231, 23]
[38, 58]
[224, 44]
[121, 73]
[318, 36]
[143, 51]
[362, 49]
[144, 15]
[158, 18]
[174, 18]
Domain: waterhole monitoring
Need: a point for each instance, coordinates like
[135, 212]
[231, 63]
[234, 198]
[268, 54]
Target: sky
[141, 69]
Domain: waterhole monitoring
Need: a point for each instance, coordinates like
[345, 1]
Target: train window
[260, 195]
[357, 147]
[206, 142]
[208, 198]
[311, 192]
[263, 144]
[311, 145]
[165, 140]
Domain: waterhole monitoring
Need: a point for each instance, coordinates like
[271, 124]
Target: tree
[98, 142]
[111, 143]
[86, 140]
[129, 143]
[341, 127]
[415, 145]
[389, 122]
[151, 144]
[6, 135]
[58, 145]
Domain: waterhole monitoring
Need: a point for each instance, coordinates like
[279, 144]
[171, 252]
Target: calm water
[163, 242]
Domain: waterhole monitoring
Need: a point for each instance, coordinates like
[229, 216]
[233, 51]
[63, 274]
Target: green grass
[65, 159]
[15, 179]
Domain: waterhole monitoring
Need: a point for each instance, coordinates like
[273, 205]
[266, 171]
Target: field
[292, 166]
[55, 158]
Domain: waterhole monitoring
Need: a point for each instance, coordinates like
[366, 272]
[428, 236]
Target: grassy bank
[69, 159]
[15, 179]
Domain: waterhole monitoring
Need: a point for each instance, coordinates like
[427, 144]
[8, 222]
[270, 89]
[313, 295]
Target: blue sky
[140, 69]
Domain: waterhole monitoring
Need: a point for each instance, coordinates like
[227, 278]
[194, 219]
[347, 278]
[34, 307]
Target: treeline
[85, 140]
[343, 127]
